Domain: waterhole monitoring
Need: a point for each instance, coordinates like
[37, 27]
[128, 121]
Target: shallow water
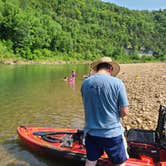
[36, 95]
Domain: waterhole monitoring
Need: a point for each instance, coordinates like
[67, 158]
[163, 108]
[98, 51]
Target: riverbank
[12, 61]
[146, 87]
[17, 60]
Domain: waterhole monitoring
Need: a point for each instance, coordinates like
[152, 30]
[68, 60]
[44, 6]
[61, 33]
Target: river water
[36, 95]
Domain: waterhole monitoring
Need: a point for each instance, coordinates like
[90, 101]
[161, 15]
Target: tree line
[80, 30]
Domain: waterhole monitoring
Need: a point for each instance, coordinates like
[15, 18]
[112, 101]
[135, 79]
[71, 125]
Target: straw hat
[115, 66]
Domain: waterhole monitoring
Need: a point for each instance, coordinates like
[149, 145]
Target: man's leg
[93, 150]
[90, 163]
[93, 163]
[116, 149]
[123, 164]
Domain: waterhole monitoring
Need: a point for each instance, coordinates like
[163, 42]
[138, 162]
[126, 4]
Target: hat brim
[115, 66]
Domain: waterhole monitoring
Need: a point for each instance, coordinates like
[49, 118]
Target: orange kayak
[68, 144]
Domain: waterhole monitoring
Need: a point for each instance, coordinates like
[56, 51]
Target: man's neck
[103, 71]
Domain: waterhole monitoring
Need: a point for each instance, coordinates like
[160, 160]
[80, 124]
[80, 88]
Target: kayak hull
[35, 143]
[53, 146]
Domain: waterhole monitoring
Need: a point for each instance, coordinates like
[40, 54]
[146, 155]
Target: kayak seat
[141, 136]
[152, 137]
[148, 142]
[142, 142]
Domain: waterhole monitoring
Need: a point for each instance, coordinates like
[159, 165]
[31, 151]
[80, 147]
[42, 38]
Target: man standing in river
[105, 102]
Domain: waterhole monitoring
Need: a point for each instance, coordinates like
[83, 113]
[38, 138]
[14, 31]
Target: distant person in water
[72, 76]
[65, 79]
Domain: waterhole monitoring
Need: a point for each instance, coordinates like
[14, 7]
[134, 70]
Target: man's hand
[124, 111]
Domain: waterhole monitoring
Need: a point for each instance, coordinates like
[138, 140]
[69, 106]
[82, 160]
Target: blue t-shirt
[102, 96]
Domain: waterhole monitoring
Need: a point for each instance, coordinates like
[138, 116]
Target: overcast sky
[140, 4]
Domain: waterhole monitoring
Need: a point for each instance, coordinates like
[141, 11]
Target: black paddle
[43, 133]
[47, 135]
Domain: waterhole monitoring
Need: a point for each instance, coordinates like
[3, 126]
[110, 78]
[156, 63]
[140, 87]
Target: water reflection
[72, 85]
[21, 156]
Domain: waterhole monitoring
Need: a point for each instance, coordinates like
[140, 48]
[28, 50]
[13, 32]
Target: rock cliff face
[146, 87]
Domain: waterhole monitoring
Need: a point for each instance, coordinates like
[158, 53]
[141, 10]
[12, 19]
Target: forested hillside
[79, 30]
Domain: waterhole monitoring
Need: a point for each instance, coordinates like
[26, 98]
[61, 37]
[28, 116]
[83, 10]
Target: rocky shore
[13, 62]
[146, 87]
